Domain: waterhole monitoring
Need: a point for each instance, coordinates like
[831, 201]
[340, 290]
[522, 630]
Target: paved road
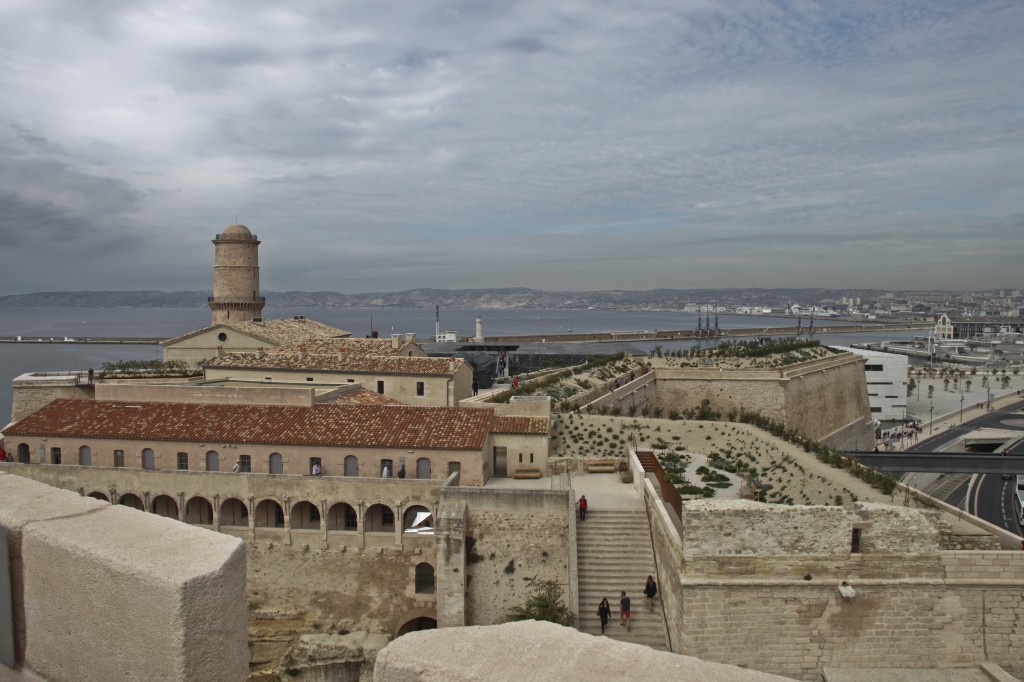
[988, 496]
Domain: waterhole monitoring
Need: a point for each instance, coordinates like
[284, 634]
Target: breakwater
[109, 340]
[699, 334]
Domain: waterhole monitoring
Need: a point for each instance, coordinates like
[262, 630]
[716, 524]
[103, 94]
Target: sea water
[58, 323]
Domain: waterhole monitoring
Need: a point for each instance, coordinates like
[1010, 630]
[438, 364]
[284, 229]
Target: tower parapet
[236, 276]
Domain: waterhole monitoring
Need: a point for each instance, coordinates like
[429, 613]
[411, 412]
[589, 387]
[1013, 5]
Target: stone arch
[413, 620]
[379, 518]
[199, 511]
[342, 516]
[148, 458]
[132, 500]
[409, 516]
[423, 468]
[24, 453]
[212, 461]
[269, 514]
[276, 463]
[351, 465]
[424, 581]
[234, 512]
[164, 505]
[97, 495]
[305, 516]
[85, 456]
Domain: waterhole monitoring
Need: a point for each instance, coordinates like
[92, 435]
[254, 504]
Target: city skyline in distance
[550, 145]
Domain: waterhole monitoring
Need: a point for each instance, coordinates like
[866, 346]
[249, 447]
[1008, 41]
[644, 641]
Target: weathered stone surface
[535, 651]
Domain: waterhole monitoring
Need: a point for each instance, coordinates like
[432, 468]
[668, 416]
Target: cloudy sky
[380, 146]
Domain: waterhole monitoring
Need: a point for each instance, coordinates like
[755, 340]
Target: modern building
[887, 381]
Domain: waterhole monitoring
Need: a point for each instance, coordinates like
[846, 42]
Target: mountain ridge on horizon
[507, 297]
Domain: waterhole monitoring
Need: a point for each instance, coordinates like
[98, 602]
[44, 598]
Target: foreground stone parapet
[530, 650]
[166, 600]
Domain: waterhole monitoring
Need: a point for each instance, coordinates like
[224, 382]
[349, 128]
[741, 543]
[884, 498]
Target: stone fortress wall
[758, 586]
[824, 399]
[169, 599]
[490, 541]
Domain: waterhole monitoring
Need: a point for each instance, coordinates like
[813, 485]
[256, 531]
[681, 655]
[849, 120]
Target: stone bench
[602, 466]
[527, 472]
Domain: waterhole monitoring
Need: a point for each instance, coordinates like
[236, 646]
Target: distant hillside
[665, 299]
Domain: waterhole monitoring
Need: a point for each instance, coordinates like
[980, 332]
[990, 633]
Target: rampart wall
[490, 541]
[169, 599]
[31, 394]
[757, 586]
[825, 399]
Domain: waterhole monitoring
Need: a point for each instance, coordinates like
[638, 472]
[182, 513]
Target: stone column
[398, 523]
[323, 525]
[361, 523]
[252, 521]
[287, 520]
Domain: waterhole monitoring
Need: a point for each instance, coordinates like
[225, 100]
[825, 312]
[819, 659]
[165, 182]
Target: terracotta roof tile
[528, 425]
[365, 397]
[332, 425]
[353, 347]
[275, 332]
[369, 364]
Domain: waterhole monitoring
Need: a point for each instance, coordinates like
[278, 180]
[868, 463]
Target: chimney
[342, 355]
[394, 343]
[260, 352]
[220, 351]
[452, 364]
[302, 352]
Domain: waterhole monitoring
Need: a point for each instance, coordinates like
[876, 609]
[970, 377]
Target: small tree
[931, 390]
[544, 603]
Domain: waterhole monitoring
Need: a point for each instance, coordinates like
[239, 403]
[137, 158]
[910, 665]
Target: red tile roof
[274, 332]
[331, 425]
[528, 425]
[368, 364]
[365, 397]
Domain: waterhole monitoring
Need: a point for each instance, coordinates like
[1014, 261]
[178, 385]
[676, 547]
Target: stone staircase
[614, 553]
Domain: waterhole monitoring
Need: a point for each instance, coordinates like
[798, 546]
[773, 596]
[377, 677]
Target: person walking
[650, 591]
[604, 612]
[583, 507]
[624, 610]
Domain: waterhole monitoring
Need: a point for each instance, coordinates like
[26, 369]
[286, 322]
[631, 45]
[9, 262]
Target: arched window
[85, 456]
[305, 516]
[269, 514]
[423, 468]
[418, 519]
[212, 461]
[234, 513]
[163, 505]
[342, 516]
[351, 466]
[379, 519]
[148, 459]
[198, 510]
[424, 578]
[133, 501]
[276, 463]
[23, 453]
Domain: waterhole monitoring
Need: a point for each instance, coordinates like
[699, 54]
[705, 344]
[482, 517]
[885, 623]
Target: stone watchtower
[236, 276]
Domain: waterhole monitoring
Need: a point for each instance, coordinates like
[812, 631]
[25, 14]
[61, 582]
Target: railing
[232, 301]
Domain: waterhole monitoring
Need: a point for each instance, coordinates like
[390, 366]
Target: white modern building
[887, 383]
